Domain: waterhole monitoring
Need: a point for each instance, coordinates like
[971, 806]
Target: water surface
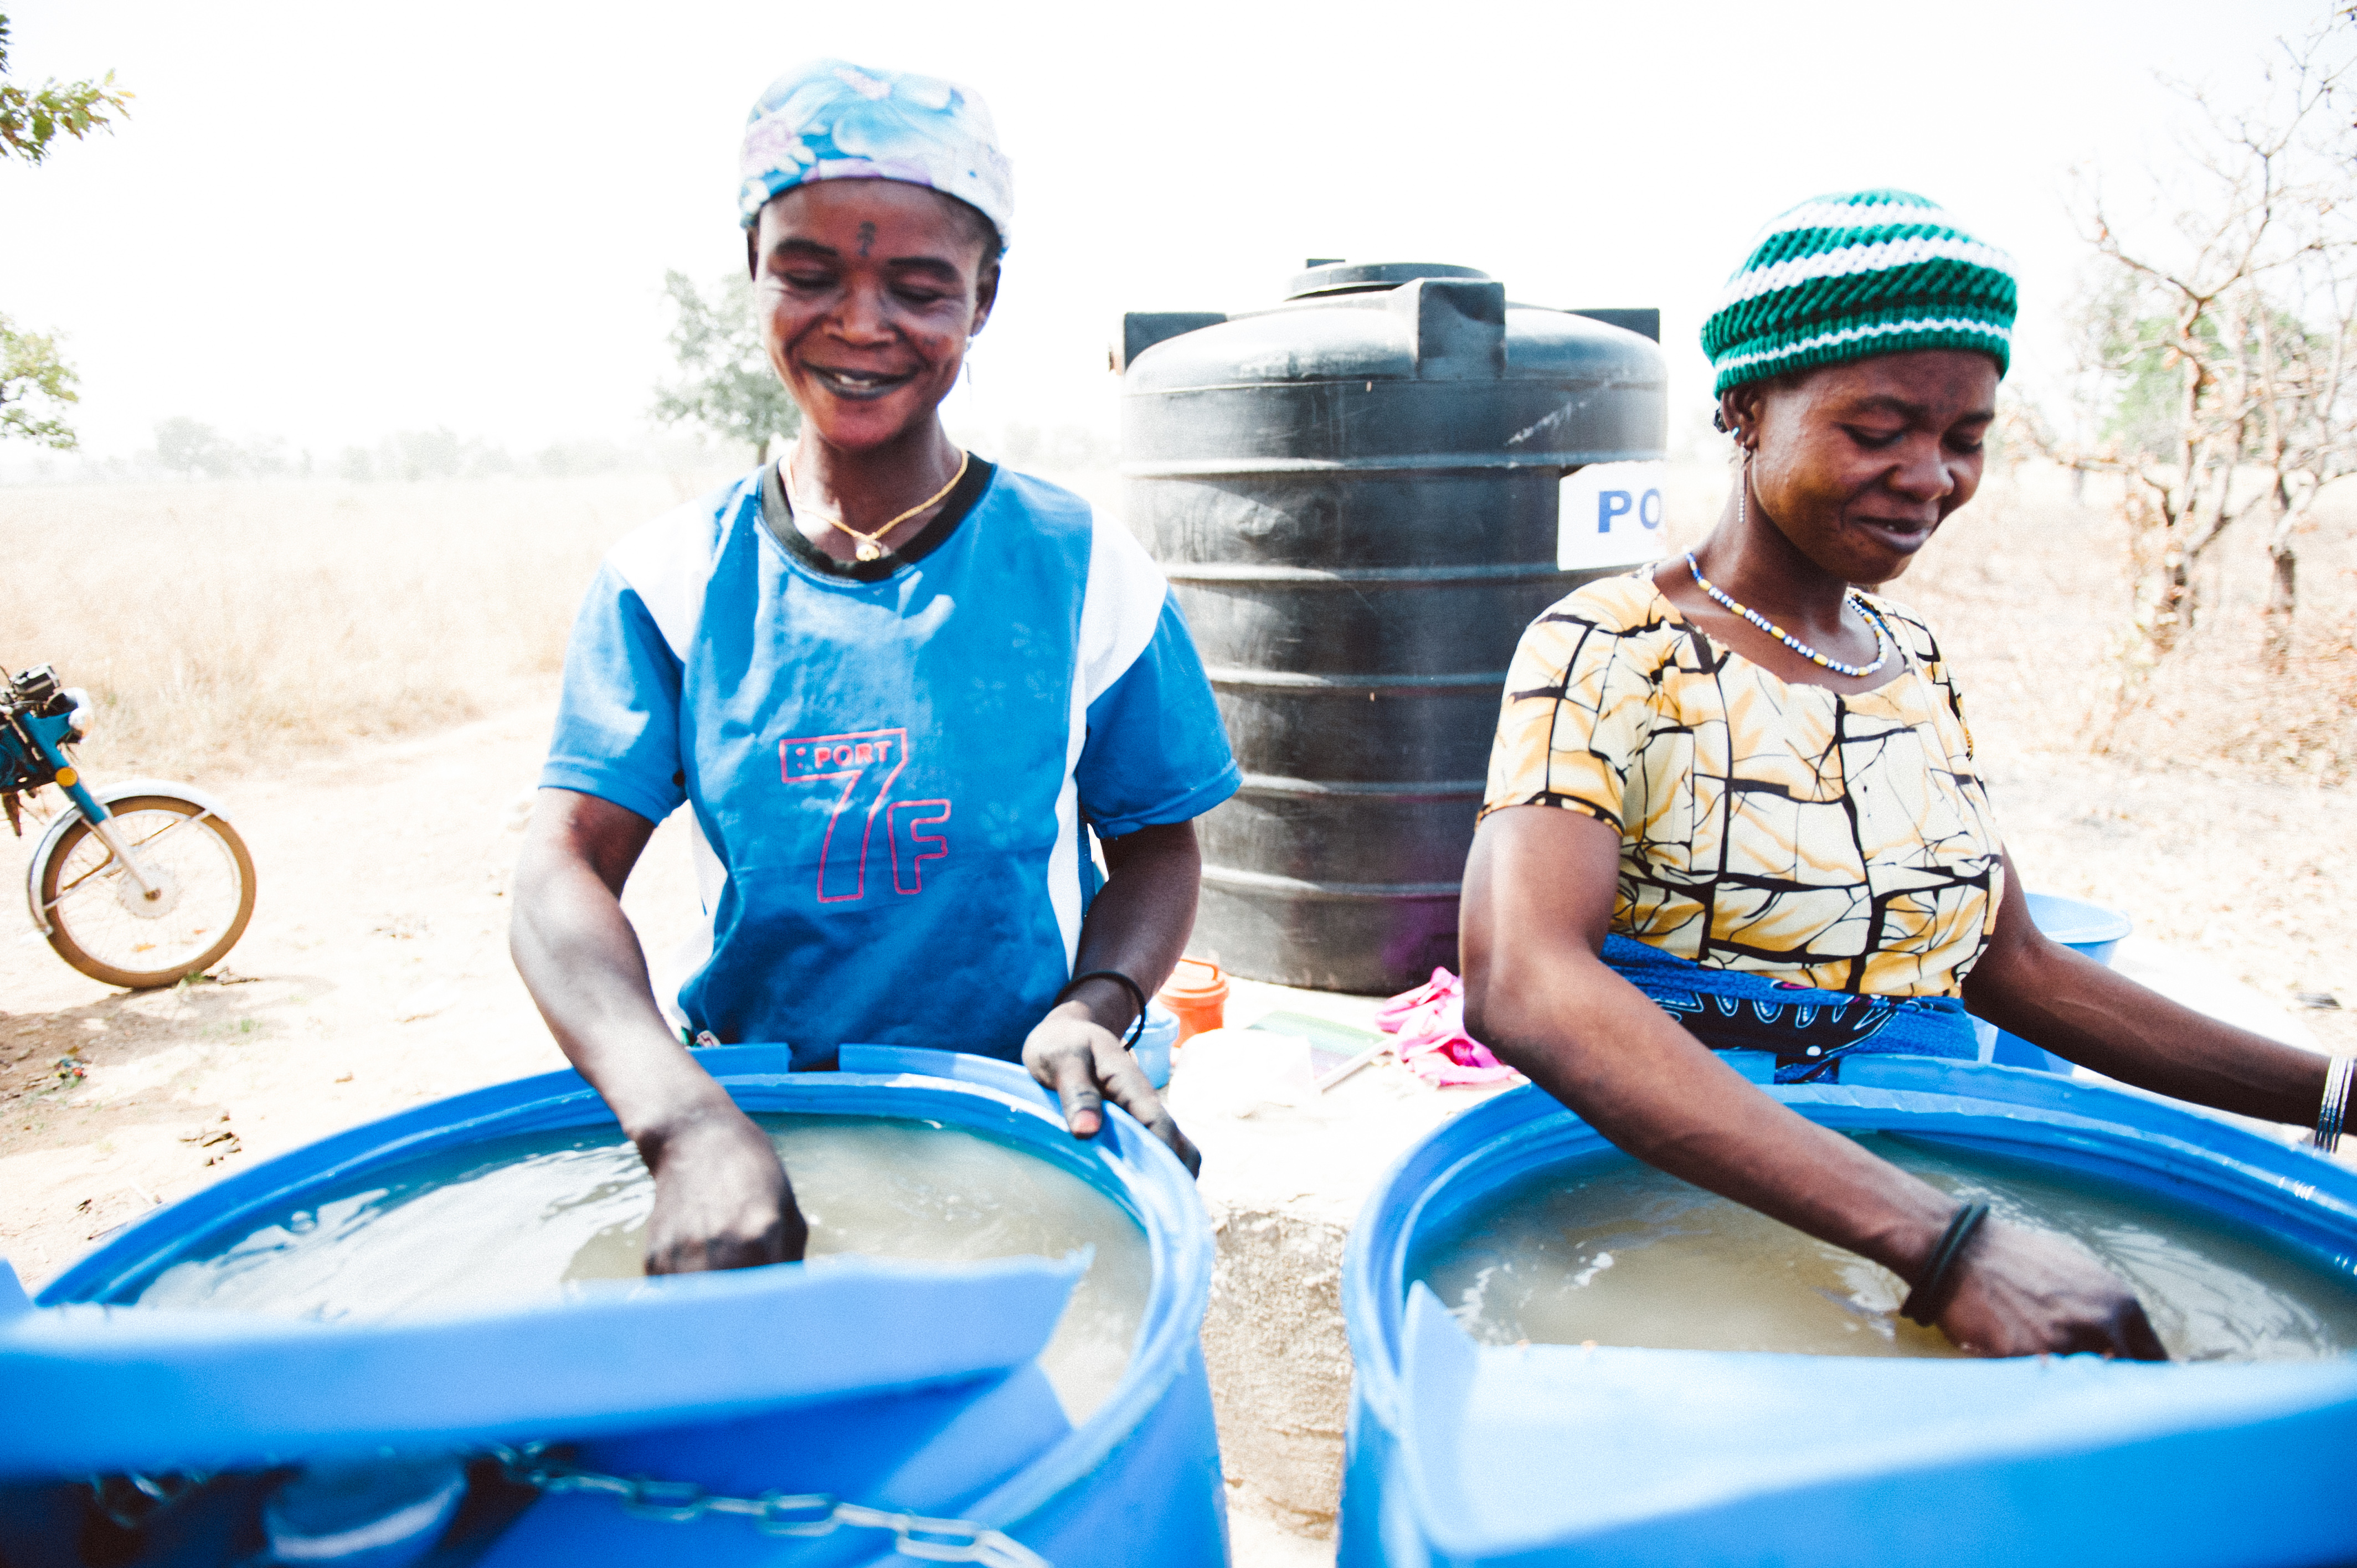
[1610, 1250]
[524, 1218]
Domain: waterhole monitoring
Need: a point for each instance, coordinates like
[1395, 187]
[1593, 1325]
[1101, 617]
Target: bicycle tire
[61, 936]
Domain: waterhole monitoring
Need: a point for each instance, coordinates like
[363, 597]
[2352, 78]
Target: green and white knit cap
[1850, 276]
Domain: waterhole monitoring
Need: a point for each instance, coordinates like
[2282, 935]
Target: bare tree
[2216, 344]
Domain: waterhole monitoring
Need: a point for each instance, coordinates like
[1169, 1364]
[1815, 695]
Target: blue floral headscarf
[833, 120]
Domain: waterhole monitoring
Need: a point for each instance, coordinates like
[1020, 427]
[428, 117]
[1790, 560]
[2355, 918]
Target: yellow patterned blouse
[1837, 840]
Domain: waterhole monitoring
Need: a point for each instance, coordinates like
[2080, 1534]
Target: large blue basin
[892, 1387]
[1462, 1455]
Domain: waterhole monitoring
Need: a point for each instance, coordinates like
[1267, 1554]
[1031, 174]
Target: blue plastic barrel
[905, 1388]
[2090, 929]
[1467, 1455]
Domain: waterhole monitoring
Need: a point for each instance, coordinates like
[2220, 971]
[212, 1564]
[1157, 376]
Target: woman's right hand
[2028, 1292]
[722, 1200]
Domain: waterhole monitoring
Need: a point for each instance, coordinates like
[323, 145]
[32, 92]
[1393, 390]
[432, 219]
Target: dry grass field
[222, 627]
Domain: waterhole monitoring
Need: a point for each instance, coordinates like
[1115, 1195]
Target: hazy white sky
[328, 222]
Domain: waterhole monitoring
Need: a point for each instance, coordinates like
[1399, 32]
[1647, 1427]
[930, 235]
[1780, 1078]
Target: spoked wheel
[106, 925]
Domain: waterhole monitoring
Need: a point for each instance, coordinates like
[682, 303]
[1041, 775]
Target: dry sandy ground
[376, 973]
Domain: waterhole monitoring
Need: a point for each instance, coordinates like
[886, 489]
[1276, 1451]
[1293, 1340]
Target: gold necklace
[869, 547]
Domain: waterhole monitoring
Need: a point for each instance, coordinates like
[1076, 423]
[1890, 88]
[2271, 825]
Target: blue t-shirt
[893, 773]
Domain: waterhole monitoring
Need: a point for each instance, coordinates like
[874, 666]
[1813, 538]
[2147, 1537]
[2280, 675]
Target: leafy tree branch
[35, 386]
[32, 118]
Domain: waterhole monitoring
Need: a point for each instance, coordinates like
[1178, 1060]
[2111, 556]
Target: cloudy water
[1611, 1251]
[521, 1219]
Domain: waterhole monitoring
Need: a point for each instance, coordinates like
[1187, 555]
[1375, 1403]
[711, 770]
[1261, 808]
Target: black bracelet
[1137, 994]
[1930, 1297]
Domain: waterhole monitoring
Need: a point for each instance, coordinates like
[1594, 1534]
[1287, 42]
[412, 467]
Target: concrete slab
[1286, 1171]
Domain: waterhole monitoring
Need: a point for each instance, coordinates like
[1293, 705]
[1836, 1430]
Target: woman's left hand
[1136, 925]
[1083, 1061]
[2028, 1292]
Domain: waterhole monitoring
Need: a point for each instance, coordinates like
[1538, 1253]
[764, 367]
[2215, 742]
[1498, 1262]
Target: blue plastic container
[2086, 927]
[1464, 1455]
[1156, 1042]
[899, 1386]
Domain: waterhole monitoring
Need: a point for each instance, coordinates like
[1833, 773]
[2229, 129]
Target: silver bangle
[2332, 1112]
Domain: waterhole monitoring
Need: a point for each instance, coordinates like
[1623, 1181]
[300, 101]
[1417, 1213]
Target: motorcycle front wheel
[106, 925]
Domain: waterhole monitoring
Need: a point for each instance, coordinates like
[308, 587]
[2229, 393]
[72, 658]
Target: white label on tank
[1610, 516]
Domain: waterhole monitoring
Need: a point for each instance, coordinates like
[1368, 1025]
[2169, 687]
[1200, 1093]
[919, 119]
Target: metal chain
[130, 1502]
[771, 1513]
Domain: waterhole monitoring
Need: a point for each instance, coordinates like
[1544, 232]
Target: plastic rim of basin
[2076, 923]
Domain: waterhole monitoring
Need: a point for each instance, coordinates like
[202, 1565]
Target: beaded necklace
[1882, 639]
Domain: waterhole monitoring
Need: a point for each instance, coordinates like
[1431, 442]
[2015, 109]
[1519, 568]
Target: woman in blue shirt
[899, 689]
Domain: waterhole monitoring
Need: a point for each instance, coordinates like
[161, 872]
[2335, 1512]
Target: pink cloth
[1432, 1044]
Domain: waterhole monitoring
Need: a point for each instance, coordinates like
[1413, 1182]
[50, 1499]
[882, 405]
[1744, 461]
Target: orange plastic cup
[1198, 993]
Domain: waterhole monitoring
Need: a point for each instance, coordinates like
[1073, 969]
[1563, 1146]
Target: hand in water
[2026, 1292]
[722, 1200]
[1086, 1065]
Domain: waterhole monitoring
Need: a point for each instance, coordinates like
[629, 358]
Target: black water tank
[1354, 495]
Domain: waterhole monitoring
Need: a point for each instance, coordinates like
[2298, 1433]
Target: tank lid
[1361, 277]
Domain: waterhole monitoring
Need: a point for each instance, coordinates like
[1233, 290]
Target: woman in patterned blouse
[1733, 805]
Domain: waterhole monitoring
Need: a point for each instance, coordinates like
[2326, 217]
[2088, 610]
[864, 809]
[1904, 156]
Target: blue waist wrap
[1808, 1032]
